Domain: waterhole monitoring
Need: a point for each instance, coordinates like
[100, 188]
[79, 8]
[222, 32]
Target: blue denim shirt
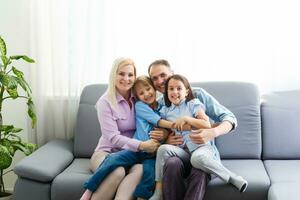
[146, 119]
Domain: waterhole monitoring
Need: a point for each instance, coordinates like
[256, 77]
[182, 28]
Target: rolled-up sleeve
[110, 129]
[145, 112]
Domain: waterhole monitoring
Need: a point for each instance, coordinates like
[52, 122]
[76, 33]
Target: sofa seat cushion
[69, 184]
[284, 190]
[252, 170]
[283, 170]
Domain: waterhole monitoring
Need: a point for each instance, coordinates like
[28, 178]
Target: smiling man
[175, 171]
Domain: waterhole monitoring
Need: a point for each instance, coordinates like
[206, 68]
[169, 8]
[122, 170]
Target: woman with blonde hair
[116, 115]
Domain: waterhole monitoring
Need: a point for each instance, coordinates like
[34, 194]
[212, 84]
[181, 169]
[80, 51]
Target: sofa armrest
[46, 162]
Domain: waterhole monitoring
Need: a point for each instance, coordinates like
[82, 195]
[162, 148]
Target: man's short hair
[159, 62]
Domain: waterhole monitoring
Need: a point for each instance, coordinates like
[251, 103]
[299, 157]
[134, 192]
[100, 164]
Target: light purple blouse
[117, 124]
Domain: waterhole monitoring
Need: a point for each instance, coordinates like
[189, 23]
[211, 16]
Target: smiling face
[159, 75]
[145, 93]
[176, 91]
[125, 78]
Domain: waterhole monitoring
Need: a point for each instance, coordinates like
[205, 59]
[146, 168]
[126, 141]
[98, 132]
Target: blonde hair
[112, 91]
[144, 80]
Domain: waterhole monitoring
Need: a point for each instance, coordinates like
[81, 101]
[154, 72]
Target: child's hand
[179, 123]
[173, 125]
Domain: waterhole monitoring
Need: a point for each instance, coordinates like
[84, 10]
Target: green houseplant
[11, 81]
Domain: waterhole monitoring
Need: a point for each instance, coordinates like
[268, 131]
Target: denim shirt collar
[173, 106]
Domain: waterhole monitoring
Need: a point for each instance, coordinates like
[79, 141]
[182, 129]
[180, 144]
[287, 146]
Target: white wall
[14, 29]
[254, 41]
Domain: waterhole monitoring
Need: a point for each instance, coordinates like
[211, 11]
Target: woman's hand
[159, 134]
[149, 146]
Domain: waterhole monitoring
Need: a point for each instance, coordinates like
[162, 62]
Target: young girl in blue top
[147, 117]
[183, 108]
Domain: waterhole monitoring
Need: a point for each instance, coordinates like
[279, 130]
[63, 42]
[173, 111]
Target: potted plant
[11, 81]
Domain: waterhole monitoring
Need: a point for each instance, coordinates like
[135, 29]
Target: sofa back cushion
[87, 130]
[280, 119]
[243, 100]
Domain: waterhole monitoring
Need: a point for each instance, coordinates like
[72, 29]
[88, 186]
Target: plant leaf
[28, 88]
[10, 130]
[31, 147]
[4, 79]
[6, 159]
[31, 112]
[12, 92]
[12, 82]
[21, 81]
[2, 46]
[6, 128]
[13, 137]
[16, 130]
[17, 72]
[19, 146]
[24, 57]
[8, 144]
[5, 60]
[23, 86]
[26, 148]
[12, 89]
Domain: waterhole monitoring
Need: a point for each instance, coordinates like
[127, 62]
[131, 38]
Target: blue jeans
[126, 159]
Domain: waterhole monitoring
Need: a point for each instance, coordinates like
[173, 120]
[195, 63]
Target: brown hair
[159, 62]
[144, 80]
[186, 84]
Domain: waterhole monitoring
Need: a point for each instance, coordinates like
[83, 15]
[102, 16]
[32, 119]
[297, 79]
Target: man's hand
[201, 136]
[174, 139]
[159, 134]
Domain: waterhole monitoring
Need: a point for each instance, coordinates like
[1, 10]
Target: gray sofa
[265, 148]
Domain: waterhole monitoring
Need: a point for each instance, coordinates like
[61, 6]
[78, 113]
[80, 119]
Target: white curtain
[66, 49]
[75, 41]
